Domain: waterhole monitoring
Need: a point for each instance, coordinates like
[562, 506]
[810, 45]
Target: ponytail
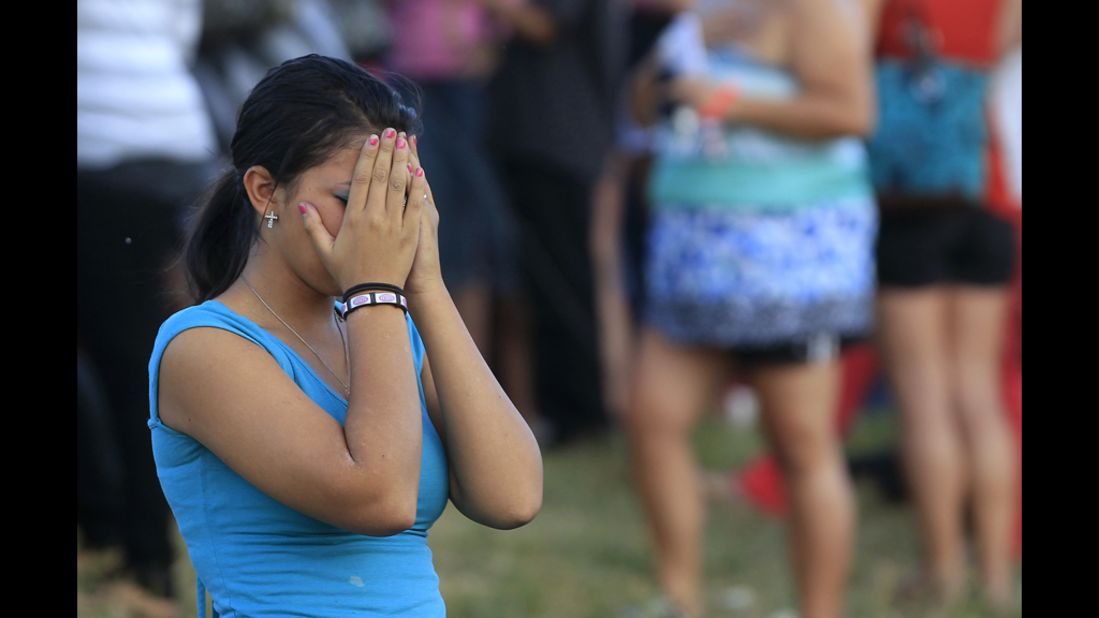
[220, 238]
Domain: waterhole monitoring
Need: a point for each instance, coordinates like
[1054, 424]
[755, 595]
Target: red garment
[963, 30]
[1004, 205]
[1002, 202]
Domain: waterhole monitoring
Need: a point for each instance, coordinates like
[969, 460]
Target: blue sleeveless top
[745, 168]
[756, 237]
[258, 557]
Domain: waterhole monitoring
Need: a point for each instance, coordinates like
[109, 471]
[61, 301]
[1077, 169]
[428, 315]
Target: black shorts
[944, 245]
[816, 349]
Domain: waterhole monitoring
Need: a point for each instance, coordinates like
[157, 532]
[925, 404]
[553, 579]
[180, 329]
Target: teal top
[747, 168]
[258, 557]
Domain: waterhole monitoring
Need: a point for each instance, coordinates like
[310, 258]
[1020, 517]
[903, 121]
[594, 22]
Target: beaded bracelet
[355, 289]
[374, 298]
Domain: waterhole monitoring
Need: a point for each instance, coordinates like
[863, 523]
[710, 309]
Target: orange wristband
[719, 103]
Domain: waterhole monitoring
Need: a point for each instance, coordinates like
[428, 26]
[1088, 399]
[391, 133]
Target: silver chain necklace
[346, 354]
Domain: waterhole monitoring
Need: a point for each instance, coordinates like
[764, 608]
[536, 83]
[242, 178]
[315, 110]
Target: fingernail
[400, 143]
[419, 171]
[373, 140]
[389, 133]
[302, 208]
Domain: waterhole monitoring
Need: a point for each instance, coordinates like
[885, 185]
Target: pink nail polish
[400, 143]
[389, 133]
[419, 172]
[409, 168]
[373, 140]
[302, 208]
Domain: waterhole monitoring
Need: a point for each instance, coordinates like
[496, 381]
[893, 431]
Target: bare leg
[760, 481]
[671, 388]
[798, 407]
[915, 354]
[980, 318]
[612, 308]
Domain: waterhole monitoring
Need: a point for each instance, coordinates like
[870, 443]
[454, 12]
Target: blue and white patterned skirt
[731, 277]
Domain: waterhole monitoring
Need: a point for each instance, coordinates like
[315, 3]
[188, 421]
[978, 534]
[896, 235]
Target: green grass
[587, 554]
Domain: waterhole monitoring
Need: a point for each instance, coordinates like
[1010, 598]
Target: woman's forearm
[530, 22]
[494, 457]
[383, 428]
[1009, 28]
[806, 117]
[644, 94]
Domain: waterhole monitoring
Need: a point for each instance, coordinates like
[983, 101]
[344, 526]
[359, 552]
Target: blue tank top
[258, 557]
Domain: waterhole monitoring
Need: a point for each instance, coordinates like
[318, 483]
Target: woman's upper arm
[234, 398]
[1009, 27]
[871, 11]
[832, 56]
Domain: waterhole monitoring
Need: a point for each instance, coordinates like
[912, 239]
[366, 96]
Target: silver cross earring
[271, 218]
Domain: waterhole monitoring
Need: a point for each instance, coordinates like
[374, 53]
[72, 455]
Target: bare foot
[922, 589]
[998, 598]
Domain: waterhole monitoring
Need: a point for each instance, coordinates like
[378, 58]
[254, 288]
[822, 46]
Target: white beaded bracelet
[373, 298]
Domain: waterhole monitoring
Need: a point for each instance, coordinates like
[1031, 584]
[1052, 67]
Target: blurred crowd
[645, 205]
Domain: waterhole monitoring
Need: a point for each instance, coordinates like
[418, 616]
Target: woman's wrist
[432, 288]
[348, 283]
[376, 314]
[720, 103]
[370, 286]
[373, 297]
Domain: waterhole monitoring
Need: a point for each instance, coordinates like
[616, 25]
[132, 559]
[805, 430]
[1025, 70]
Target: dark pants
[553, 213]
[98, 465]
[128, 227]
[476, 234]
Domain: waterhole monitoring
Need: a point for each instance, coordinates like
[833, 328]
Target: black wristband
[355, 289]
[368, 299]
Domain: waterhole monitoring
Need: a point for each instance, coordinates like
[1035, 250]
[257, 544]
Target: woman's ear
[260, 187]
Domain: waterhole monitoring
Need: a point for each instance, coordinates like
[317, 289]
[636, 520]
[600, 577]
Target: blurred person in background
[242, 39]
[552, 103]
[98, 463]
[760, 481]
[945, 260]
[366, 30]
[450, 49]
[619, 217]
[619, 223]
[145, 149]
[760, 258]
